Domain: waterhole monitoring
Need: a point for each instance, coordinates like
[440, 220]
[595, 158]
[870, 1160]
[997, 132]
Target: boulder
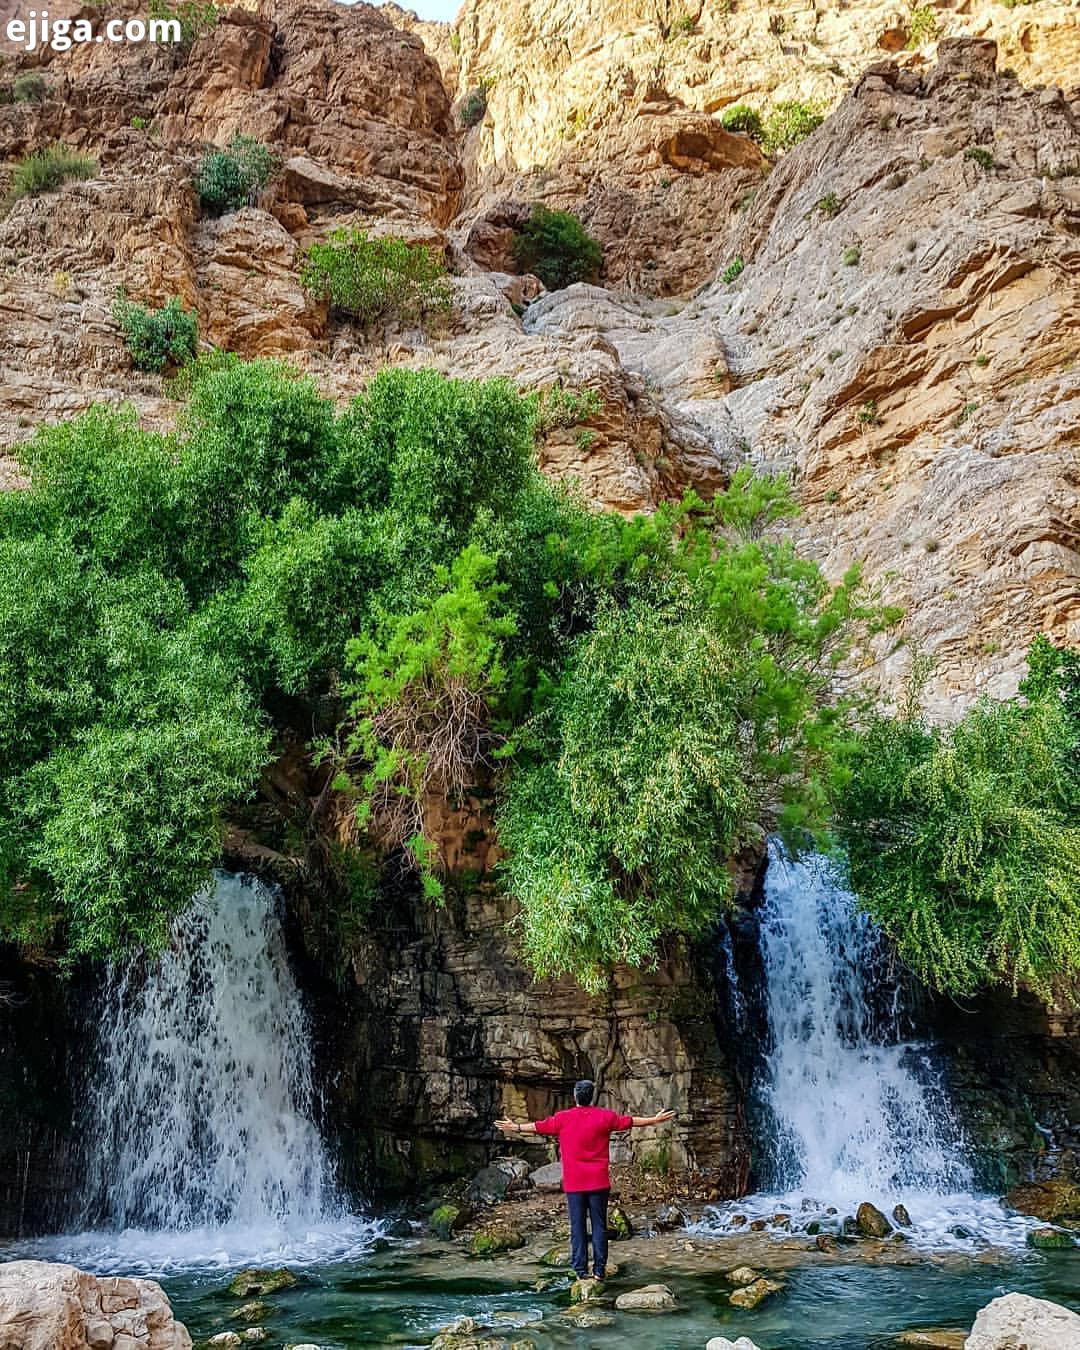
[934, 1338]
[226, 1340]
[548, 1177]
[1056, 1201]
[650, 1298]
[587, 1290]
[448, 1219]
[49, 1306]
[619, 1225]
[494, 1239]
[489, 1186]
[870, 1222]
[1050, 1240]
[586, 1317]
[722, 1343]
[252, 1312]
[1019, 1322]
[750, 1295]
[255, 1281]
[669, 1217]
[742, 1275]
[901, 1217]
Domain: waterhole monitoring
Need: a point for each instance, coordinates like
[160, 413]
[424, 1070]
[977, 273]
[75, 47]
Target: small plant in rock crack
[830, 205]
[733, 270]
[983, 158]
[851, 256]
[869, 415]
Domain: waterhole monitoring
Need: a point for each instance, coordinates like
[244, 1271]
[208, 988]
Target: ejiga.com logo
[60, 35]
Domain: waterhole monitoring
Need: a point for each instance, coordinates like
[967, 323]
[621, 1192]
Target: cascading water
[857, 1112]
[201, 1143]
[848, 1108]
[200, 1112]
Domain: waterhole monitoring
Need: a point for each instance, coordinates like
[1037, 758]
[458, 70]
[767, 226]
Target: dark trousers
[593, 1205]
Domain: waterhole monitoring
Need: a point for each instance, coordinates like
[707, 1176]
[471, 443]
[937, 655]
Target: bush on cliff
[157, 338]
[963, 842]
[368, 279]
[555, 246]
[47, 170]
[229, 179]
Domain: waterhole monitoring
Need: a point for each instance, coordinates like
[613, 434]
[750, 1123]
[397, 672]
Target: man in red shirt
[584, 1133]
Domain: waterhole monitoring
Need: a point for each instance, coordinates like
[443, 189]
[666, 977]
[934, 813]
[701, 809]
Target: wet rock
[1056, 1201]
[587, 1290]
[495, 1239]
[669, 1217]
[556, 1257]
[825, 1242]
[758, 1226]
[722, 1343]
[253, 1335]
[1050, 1240]
[489, 1186]
[650, 1298]
[619, 1225]
[901, 1217]
[548, 1177]
[465, 1333]
[399, 1228]
[449, 1219]
[585, 1317]
[781, 1221]
[935, 1338]
[743, 1275]
[256, 1281]
[737, 1221]
[255, 1311]
[1019, 1320]
[870, 1222]
[750, 1295]
[225, 1340]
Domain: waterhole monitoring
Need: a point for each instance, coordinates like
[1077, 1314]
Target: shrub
[742, 118]
[559, 407]
[922, 27]
[229, 179]
[851, 255]
[29, 87]
[157, 338]
[869, 415]
[830, 205]
[983, 158]
[788, 124]
[195, 17]
[733, 270]
[473, 107]
[962, 841]
[369, 279]
[555, 246]
[47, 170]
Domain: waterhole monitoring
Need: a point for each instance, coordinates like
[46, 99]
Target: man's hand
[507, 1127]
[663, 1117]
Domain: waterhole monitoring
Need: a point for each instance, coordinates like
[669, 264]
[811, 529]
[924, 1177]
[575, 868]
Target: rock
[870, 1222]
[252, 1312]
[1050, 1240]
[448, 1219]
[586, 1318]
[750, 1295]
[722, 1343]
[650, 1298]
[556, 1257]
[494, 1239]
[399, 1228]
[255, 1334]
[826, 1242]
[226, 1340]
[619, 1225]
[50, 1306]
[1019, 1322]
[935, 1338]
[548, 1177]
[1056, 1201]
[257, 1281]
[587, 1290]
[489, 1186]
[901, 1217]
[742, 1275]
[669, 1217]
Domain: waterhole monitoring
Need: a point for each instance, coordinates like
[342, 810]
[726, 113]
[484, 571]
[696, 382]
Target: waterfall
[200, 1109]
[855, 1110]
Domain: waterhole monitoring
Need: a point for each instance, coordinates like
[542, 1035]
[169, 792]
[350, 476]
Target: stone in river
[722, 1343]
[587, 1290]
[1050, 1240]
[742, 1275]
[255, 1311]
[448, 1219]
[255, 1281]
[870, 1221]
[619, 1225]
[225, 1340]
[584, 1316]
[901, 1216]
[650, 1298]
[934, 1338]
[750, 1295]
[668, 1218]
[1019, 1320]
[494, 1239]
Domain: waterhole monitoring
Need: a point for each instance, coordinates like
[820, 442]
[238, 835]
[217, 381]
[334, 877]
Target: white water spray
[857, 1112]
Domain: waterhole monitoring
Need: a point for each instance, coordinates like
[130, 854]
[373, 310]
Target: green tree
[555, 246]
[369, 279]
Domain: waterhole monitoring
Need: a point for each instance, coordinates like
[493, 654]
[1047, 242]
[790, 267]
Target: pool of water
[403, 1296]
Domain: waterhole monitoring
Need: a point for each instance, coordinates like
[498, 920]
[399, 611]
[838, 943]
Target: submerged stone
[750, 1295]
[743, 1275]
[252, 1312]
[650, 1298]
[585, 1317]
[1050, 1240]
[722, 1343]
[257, 1281]
[934, 1338]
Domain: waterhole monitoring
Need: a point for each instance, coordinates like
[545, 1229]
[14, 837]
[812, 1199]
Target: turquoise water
[404, 1296]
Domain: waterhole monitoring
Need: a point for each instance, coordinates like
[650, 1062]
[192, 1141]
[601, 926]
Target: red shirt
[584, 1133]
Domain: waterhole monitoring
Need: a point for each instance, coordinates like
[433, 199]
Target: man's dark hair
[584, 1092]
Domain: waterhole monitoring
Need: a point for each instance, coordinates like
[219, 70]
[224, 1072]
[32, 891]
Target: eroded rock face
[46, 1306]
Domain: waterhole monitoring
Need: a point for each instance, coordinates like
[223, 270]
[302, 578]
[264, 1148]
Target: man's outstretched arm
[512, 1127]
[661, 1118]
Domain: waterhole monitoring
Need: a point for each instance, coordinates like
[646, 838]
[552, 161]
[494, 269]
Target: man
[584, 1133]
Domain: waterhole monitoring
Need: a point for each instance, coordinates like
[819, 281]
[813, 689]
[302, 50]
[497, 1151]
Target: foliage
[742, 118]
[733, 271]
[962, 841]
[369, 279]
[830, 205]
[559, 407]
[851, 256]
[789, 123]
[229, 179]
[195, 17]
[29, 87]
[473, 107]
[47, 170]
[157, 338]
[555, 246]
[983, 158]
[922, 26]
